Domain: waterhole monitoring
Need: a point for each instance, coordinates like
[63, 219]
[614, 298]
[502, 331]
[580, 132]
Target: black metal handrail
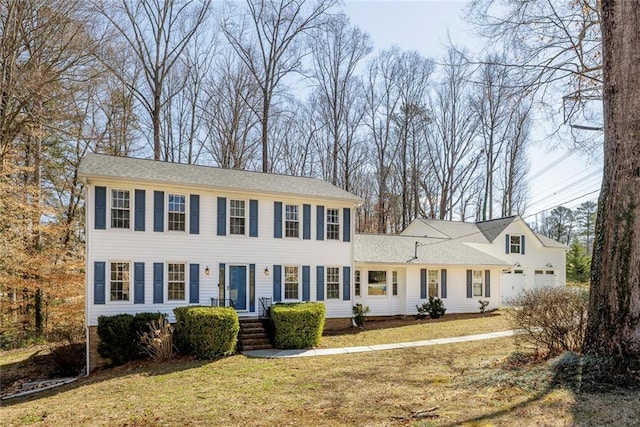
[265, 304]
[222, 302]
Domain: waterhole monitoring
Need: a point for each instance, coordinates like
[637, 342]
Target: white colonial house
[162, 235]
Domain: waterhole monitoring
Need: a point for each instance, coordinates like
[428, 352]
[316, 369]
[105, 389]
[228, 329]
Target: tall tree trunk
[613, 328]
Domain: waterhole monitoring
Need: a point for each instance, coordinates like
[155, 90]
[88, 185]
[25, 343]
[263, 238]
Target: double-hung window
[333, 224]
[433, 283]
[357, 281]
[177, 209]
[333, 283]
[119, 281]
[120, 209]
[237, 215]
[515, 244]
[291, 282]
[394, 283]
[176, 282]
[292, 221]
[477, 283]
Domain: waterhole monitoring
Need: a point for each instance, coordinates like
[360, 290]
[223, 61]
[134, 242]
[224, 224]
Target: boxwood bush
[298, 325]
[206, 332]
[119, 335]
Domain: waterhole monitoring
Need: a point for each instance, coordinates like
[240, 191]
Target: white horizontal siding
[409, 292]
[209, 250]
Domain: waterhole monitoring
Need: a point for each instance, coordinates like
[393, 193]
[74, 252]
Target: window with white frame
[333, 282]
[176, 282]
[357, 281]
[394, 283]
[291, 221]
[120, 208]
[434, 282]
[514, 244]
[477, 283]
[377, 283]
[177, 209]
[333, 224]
[119, 281]
[237, 217]
[291, 282]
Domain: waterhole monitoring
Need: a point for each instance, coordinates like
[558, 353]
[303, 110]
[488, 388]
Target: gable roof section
[493, 227]
[96, 166]
[397, 249]
[463, 231]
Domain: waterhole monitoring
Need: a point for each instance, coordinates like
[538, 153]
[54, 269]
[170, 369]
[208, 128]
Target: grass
[410, 329]
[472, 384]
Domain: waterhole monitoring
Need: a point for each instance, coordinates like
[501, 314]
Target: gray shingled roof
[492, 228]
[96, 166]
[398, 249]
[550, 243]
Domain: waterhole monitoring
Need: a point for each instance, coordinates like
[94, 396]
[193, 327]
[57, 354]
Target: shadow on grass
[592, 389]
[144, 367]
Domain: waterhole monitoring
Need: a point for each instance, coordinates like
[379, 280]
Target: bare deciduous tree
[157, 33]
[337, 50]
[269, 40]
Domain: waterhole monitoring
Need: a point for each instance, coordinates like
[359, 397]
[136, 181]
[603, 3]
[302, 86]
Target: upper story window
[333, 224]
[291, 283]
[176, 281]
[237, 217]
[119, 281]
[292, 221]
[357, 281]
[333, 283]
[433, 283]
[515, 244]
[120, 209]
[477, 283]
[177, 208]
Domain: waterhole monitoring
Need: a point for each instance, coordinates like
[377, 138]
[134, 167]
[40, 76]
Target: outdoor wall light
[206, 270]
[266, 271]
[517, 264]
[549, 265]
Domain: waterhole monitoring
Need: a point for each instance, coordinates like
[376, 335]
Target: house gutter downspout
[86, 280]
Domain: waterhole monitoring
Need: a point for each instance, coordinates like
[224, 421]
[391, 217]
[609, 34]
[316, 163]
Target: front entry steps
[253, 335]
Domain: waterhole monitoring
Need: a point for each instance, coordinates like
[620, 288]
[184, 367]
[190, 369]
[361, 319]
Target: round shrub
[298, 325]
[117, 338]
[206, 332]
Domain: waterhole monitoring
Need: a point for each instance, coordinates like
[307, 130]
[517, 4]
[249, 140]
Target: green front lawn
[472, 384]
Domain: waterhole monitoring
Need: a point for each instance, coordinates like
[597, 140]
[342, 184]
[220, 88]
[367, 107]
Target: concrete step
[257, 347]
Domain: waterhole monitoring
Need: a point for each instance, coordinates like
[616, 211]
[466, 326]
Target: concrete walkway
[277, 353]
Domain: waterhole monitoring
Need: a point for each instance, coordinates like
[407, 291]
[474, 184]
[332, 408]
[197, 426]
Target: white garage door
[513, 282]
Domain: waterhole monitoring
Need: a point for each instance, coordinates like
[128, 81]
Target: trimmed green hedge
[119, 335]
[298, 325]
[206, 332]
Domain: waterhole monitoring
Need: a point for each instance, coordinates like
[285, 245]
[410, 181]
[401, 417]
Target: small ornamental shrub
[157, 341]
[206, 332]
[360, 314]
[298, 325]
[483, 305]
[117, 338]
[552, 319]
[433, 308]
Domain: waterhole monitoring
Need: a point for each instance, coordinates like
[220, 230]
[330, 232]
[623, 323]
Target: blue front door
[238, 286]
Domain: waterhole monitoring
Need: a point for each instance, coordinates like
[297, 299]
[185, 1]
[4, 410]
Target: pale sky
[556, 176]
